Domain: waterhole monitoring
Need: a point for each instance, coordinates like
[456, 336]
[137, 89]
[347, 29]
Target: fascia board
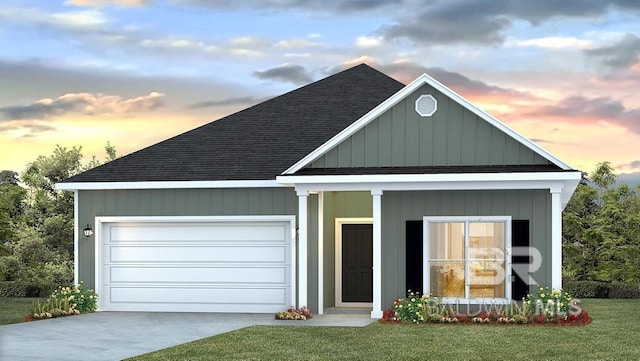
[169, 185]
[564, 182]
[430, 178]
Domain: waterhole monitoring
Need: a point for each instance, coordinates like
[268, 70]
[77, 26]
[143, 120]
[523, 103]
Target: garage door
[173, 264]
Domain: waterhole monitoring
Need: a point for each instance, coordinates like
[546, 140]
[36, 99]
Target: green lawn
[613, 335]
[13, 310]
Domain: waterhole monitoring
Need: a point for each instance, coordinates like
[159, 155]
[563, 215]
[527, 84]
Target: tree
[603, 176]
[11, 207]
[37, 254]
[94, 162]
[601, 230]
[9, 177]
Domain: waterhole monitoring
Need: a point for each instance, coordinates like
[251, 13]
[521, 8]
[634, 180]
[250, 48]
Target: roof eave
[561, 182]
[267, 183]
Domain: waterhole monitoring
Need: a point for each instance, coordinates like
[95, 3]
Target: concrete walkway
[117, 335]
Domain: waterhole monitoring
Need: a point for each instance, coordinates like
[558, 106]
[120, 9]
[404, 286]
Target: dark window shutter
[519, 238]
[414, 259]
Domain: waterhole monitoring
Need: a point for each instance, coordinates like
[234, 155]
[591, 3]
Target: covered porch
[387, 273]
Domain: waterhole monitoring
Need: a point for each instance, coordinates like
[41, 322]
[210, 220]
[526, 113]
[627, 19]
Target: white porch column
[302, 247]
[320, 310]
[76, 239]
[377, 253]
[556, 238]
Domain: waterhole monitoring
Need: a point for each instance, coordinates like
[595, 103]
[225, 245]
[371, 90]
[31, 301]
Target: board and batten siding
[399, 207]
[339, 205]
[453, 136]
[187, 202]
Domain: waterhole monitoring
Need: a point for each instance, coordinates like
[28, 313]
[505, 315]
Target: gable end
[460, 134]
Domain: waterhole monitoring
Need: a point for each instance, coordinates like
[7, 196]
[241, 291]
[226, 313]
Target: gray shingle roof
[259, 142]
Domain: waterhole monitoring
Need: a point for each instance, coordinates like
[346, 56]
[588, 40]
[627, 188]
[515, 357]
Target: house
[343, 193]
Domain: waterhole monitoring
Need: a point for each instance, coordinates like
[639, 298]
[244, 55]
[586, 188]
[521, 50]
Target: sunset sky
[133, 72]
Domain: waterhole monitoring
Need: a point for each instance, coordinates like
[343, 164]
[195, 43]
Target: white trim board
[564, 182]
[402, 94]
[439, 177]
[338, 260]
[101, 220]
[76, 238]
[267, 183]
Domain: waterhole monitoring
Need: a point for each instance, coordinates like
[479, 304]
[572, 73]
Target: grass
[13, 310]
[613, 335]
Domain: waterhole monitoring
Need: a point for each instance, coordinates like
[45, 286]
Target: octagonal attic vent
[426, 105]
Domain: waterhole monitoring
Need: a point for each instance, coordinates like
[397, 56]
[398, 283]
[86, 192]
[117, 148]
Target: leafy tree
[9, 177]
[603, 176]
[94, 162]
[37, 250]
[11, 207]
[601, 233]
[50, 210]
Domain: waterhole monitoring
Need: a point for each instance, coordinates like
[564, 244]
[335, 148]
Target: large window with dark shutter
[467, 259]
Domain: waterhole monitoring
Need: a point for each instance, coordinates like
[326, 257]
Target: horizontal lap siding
[175, 202]
[399, 207]
[453, 136]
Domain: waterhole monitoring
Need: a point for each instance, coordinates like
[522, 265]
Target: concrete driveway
[117, 335]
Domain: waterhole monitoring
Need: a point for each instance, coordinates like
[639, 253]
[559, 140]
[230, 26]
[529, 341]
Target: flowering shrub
[65, 301]
[302, 313]
[550, 303]
[81, 298]
[541, 307]
[51, 308]
[450, 319]
[418, 309]
[389, 316]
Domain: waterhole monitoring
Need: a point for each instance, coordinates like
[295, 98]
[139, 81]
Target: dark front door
[357, 263]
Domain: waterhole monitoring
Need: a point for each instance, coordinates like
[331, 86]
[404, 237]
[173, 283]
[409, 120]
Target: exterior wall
[399, 207]
[180, 202]
[453, 136]
[339, 205]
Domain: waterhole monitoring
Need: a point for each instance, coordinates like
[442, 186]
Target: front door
[357, 263]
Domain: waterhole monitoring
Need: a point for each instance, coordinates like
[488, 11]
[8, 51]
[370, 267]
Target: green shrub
[623, 290]
[52, 308]
[587, 289]
[10, 267]
[547, 302]
[542, 306]
[418, 309]
[18, 279]
[65, 301]
[598, 289]
[12, 289]
[80, 298]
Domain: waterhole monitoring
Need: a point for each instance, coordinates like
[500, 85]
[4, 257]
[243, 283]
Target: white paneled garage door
[201, 264]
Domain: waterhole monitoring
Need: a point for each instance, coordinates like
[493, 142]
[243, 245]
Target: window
[467, 258]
